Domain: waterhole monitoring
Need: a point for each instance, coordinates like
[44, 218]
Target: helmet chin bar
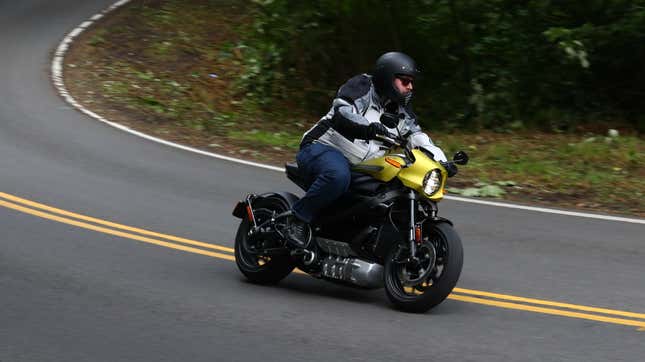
[406, 99]
[397, 98]
[402, 99]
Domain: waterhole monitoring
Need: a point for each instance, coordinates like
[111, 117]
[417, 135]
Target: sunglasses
[405, 81]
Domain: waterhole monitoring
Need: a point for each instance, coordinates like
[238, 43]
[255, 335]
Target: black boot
[298, 232]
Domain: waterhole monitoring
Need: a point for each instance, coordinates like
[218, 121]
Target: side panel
[380, 168]
[360, 207]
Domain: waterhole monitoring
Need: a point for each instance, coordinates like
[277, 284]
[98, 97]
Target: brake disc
[414, 274]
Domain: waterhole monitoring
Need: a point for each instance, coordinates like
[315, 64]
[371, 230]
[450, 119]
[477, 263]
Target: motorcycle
[385, 232]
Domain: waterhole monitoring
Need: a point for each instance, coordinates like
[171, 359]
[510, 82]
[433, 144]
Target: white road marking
[57, 78]
[547, 210]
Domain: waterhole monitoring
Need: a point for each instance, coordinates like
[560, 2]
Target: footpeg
[308, 257]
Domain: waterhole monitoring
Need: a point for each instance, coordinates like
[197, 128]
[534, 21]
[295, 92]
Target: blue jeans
[327, 172]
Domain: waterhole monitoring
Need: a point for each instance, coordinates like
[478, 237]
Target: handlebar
[398, 141]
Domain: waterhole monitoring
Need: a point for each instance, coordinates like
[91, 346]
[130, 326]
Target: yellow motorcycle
[385, 232]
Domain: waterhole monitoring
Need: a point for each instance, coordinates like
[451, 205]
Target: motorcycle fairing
[410, 173]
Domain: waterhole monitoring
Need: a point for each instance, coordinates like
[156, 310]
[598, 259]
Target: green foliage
[483, 189]
[276, 139]
[492, 63]
[98, 38]
[262, 79]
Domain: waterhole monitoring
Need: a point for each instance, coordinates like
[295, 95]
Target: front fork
[408, 255]
[414, 229]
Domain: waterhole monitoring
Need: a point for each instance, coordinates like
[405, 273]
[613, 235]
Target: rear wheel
[259, 268]
[416, 287]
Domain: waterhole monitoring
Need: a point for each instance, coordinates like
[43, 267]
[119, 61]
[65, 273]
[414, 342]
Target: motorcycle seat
[291, 168]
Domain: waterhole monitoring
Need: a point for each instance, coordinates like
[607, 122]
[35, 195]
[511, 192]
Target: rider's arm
[421, 140]
[348, 119]
[418, 139]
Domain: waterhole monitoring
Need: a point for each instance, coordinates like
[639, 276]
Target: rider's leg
[328, 173]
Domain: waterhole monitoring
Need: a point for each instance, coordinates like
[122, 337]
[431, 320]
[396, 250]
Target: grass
[98, 37]
[178, 68]
[275, 139]
[597, 169]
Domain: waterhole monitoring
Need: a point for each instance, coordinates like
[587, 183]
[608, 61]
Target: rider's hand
[450, 167]
[376, 129]
[390, 119]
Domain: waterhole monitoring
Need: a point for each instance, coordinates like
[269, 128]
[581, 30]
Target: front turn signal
[393, 162]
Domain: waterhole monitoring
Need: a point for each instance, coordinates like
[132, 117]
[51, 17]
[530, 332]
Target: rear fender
[240, 210]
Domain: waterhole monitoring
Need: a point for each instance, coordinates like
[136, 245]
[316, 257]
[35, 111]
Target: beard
[404, 99]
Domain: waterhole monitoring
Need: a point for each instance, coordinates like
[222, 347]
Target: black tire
[449, 256]
[256, 269]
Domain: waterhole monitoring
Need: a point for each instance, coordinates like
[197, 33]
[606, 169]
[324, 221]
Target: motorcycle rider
[347, 134]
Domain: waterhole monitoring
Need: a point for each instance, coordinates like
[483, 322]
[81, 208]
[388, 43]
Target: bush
[486, 63]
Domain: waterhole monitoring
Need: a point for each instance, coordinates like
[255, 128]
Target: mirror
[460, 158]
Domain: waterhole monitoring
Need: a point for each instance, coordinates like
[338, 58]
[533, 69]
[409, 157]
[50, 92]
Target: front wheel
[259, 268]
[420, 285]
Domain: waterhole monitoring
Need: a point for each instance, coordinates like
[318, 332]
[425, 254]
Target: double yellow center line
[221, 252]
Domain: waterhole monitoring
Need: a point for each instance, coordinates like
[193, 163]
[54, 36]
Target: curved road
[80, 289]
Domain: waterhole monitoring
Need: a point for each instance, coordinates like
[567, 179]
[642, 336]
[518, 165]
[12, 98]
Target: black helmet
[388, 66]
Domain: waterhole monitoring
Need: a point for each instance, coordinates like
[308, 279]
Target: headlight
[432, 182]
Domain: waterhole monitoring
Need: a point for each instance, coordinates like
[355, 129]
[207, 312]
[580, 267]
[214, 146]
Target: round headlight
[432, 182]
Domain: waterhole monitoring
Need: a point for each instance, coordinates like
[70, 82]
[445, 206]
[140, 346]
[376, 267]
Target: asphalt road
[70, 292]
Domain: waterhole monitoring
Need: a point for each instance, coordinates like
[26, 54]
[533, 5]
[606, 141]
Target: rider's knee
[341, 179]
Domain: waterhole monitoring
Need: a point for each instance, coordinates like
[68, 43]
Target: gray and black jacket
[345, 126]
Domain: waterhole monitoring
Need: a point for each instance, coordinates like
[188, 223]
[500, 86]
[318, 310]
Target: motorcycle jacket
[346, 125]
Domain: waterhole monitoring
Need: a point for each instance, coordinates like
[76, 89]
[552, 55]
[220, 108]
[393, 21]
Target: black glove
[376, 129]
[450, 167]
[390, 119]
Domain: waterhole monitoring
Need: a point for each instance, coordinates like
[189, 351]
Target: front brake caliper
[401, 255]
